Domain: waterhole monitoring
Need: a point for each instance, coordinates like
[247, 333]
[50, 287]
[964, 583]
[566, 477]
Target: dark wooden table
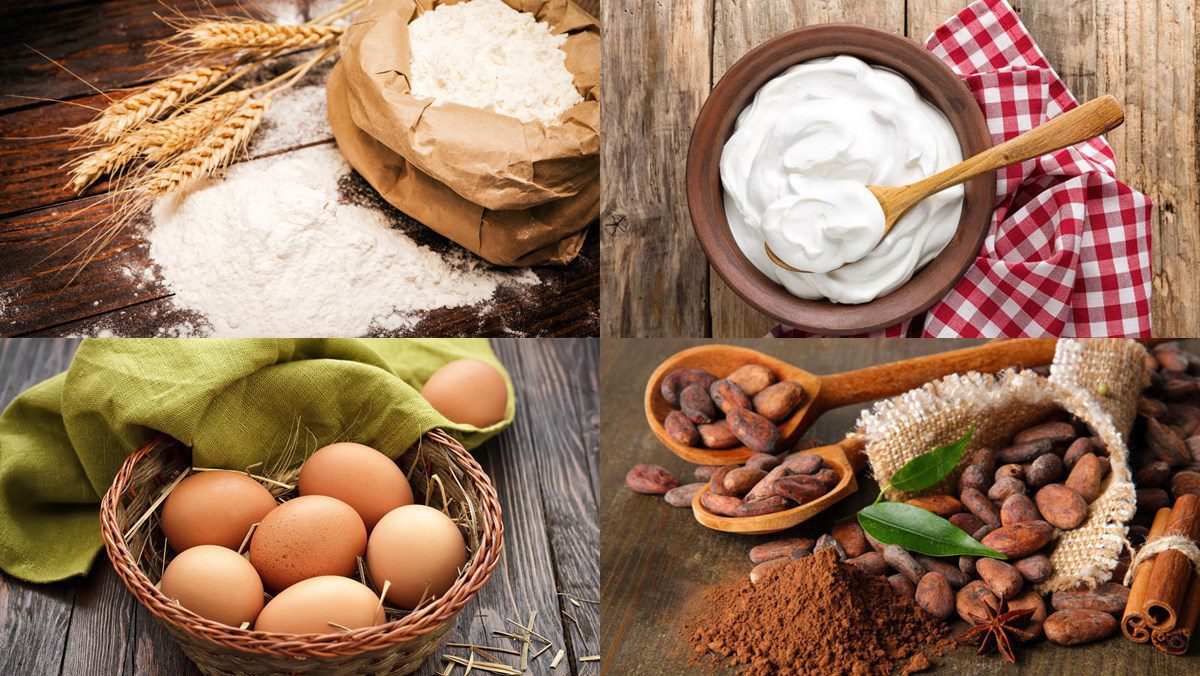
[545, 468]
[655, 559]
[42, 226]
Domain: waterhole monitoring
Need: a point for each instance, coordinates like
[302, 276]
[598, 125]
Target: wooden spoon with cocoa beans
[818, 394]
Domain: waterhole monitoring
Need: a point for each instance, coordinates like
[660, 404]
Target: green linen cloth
[234, 401]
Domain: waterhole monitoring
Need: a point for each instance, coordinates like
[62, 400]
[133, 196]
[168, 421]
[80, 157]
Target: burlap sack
[512, 192]
[1098, 381]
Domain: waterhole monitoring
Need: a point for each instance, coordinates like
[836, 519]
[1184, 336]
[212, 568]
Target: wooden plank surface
[545, 469]
[44, 229]
[657, 561]
[1142, 51]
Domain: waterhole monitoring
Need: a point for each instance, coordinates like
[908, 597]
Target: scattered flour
[270, 251]
[485, 54]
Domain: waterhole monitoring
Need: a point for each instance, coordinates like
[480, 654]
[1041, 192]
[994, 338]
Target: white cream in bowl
[796, 168]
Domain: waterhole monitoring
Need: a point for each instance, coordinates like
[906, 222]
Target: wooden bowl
[706, 197]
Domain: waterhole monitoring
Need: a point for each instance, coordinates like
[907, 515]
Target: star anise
[997, 631]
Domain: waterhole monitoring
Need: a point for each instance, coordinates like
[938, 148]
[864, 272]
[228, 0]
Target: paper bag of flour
[515, 193]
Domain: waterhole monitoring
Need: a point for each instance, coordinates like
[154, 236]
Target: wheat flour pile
[485, 54]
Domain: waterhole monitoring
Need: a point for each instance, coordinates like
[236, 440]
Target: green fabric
[235, 401]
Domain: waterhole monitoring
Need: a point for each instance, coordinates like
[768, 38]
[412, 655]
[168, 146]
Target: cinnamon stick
[1178, 640]
[1172, 570]
[1133, 623]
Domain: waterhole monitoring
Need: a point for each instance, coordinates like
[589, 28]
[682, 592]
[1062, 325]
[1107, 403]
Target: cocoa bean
[1005, 487]
[717, 435]
[1166, 445]
[650, 479]
[1010, 471]
[975, 476]
[779, 549]
[976, 603]
[934, 596]
[1185, 483]
[669, 387]
[1018, 508]
[983, 532]
[1151, 408]
[1170, 357]
[766, 487]
[827, 541]
[716, 484]
[871, 563]
[705, 472]
[1026, 452]
[1054, 432]
[762, 570]
[851, 537]
[768, 505]
[980, 506]
[1087, 478]
[1035, 568]
[680, 429]
[728, 396]
[753, 430]
[829, 477]
[801, 489]
[697, 405]
[676, 381]
[1060, 506]
[1153, 475]
[1193, 446]
[723, 505]
[1031, 600]
[1002, 578]
[1045, 470]
[1150, 500]
[1109, 597]
[899, 558]
[951, 573]
[942, 505]
[764, 461]
[903, 587]
[778, 401]
[985, 458]
[1185, 417]
[1075, 627]
[1077, 450]
[1019, 540]
[1137, 535]
[875, 544]
[739, 481]
[804, 463]
[681, 496]
[966, 522]
[1122, 565]
[752, 378]
[967, 565]
[1176, 390]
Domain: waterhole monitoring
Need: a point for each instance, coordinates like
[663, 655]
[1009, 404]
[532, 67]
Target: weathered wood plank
[100, 639]
[657, 72]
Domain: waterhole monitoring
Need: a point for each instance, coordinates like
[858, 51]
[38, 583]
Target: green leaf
[927, 469]
[919, 530]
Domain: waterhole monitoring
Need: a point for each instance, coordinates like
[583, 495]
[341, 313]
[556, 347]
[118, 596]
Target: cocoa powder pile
[816, 615]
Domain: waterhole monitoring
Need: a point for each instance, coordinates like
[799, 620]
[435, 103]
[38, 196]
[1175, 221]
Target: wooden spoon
[823, 393]
[1074, 126]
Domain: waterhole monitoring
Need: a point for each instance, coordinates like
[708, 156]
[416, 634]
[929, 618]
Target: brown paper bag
[514, 193]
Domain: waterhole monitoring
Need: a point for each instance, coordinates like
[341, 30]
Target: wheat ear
[215, 150]
[220, 36]
[152, 102]
[156, 142]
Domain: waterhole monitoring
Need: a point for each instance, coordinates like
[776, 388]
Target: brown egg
[419, 550]
[305, 537]
[215, 583]
[214, 508]
[317, 605]
[359, 476]
[468, 391]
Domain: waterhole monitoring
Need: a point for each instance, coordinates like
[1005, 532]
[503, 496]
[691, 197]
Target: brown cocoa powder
[815, 615]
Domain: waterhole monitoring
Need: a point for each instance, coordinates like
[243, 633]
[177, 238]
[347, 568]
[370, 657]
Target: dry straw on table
[438, 467]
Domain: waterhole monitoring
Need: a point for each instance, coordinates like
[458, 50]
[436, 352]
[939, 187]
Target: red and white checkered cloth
[1068, 253]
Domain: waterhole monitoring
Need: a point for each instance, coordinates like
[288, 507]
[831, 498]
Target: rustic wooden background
[106, 42]
[662, 58]
[657, 561]
[546, 471]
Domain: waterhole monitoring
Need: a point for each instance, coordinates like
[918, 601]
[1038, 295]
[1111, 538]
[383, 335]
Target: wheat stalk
[214, 151]
[152, 102]
[223, 36]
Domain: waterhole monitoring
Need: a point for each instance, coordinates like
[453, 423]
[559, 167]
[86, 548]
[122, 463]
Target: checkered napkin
[1068, 252]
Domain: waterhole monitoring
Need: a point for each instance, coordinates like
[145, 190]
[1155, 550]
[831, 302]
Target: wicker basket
[399, 646]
